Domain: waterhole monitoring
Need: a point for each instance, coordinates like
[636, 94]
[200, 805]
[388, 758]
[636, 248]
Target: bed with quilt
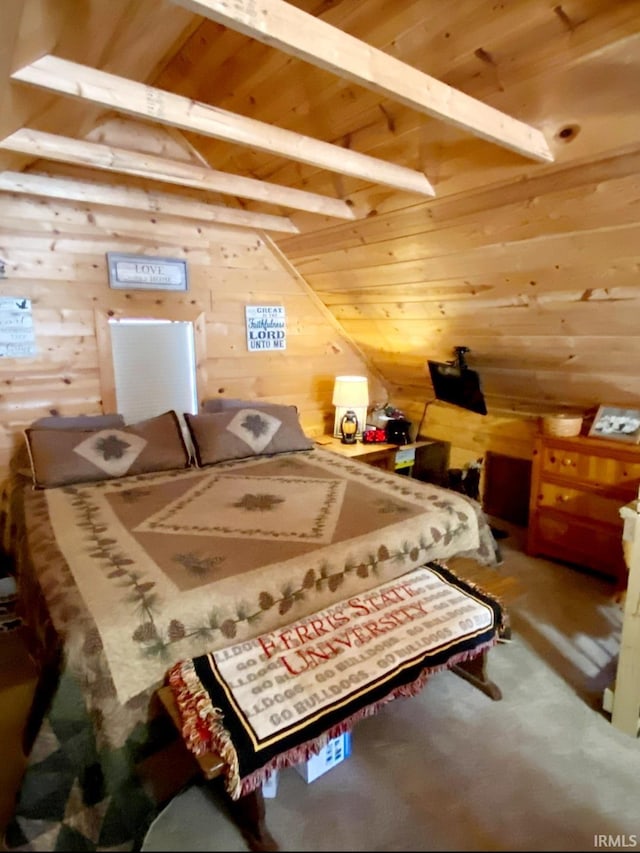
[138, 546]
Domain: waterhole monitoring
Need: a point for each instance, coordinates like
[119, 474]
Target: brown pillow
[62, 457]
[223, 404]
[114, 419]
[241, 433]
[19, 462]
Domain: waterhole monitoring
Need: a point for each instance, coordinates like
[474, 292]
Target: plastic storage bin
[329, 756]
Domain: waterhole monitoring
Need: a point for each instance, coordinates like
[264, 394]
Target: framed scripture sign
[266, 327]
[143, 272]
[17, 338]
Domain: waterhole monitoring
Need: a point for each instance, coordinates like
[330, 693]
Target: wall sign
[266, 327]
[143, 272]
[17, 339]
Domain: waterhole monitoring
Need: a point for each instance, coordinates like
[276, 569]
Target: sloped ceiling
[531, 262]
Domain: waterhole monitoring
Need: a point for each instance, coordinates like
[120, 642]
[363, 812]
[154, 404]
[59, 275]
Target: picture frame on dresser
[617, 424]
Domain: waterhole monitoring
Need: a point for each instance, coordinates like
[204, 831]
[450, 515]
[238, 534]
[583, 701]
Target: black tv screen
[457, 385]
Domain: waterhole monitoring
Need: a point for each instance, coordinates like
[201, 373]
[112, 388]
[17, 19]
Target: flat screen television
[458, 385]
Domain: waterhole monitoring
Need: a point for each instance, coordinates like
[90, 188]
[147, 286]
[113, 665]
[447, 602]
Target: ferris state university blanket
[275, 700]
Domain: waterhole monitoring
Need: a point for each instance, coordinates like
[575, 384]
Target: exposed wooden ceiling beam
[300, 34]
[137, 199]
[127, 96]
[95, 155]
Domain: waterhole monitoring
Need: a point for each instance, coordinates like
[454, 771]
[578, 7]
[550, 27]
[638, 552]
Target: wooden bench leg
[248, 813]
[474, 670]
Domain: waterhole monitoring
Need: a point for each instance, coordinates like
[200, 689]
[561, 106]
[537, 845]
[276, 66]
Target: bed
[137, 546]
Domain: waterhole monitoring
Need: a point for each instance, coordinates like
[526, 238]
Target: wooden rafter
[127, 96]
[300, 34]
[98, 156]
[137, 199]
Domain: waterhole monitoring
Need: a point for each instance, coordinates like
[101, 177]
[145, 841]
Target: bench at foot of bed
[272, 701]
[248, 812]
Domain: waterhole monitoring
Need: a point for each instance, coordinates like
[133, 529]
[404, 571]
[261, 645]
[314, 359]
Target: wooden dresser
[578, 486]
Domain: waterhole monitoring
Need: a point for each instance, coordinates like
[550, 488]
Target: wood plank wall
[532, 266]
[56, 257]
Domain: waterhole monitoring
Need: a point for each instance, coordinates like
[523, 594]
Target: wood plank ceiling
[441, 174]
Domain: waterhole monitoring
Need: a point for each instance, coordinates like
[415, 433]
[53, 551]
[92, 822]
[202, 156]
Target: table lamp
[350, 394]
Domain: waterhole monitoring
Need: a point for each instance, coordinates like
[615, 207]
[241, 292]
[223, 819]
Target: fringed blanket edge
[203, 729]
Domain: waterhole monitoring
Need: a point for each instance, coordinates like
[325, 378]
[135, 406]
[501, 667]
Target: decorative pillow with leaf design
[19, 462]
[241, 433]
[61, 457]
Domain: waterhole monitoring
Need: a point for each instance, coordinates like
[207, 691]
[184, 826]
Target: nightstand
[391, 457]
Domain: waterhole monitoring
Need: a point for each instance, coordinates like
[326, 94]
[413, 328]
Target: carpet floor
[449, 769]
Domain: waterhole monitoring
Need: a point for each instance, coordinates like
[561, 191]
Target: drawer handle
[563, 498]
[568, 462]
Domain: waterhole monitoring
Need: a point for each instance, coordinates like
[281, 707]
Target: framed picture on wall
[144, 272]
[616, 423]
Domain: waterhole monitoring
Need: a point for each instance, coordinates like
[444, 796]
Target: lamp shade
[350, 393]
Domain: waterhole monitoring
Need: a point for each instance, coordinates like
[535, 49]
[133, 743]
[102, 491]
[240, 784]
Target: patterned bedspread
[131, 575]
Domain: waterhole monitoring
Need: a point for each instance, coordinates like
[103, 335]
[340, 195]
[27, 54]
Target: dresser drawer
[589, 546]
[571, 464]
[578, 502]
